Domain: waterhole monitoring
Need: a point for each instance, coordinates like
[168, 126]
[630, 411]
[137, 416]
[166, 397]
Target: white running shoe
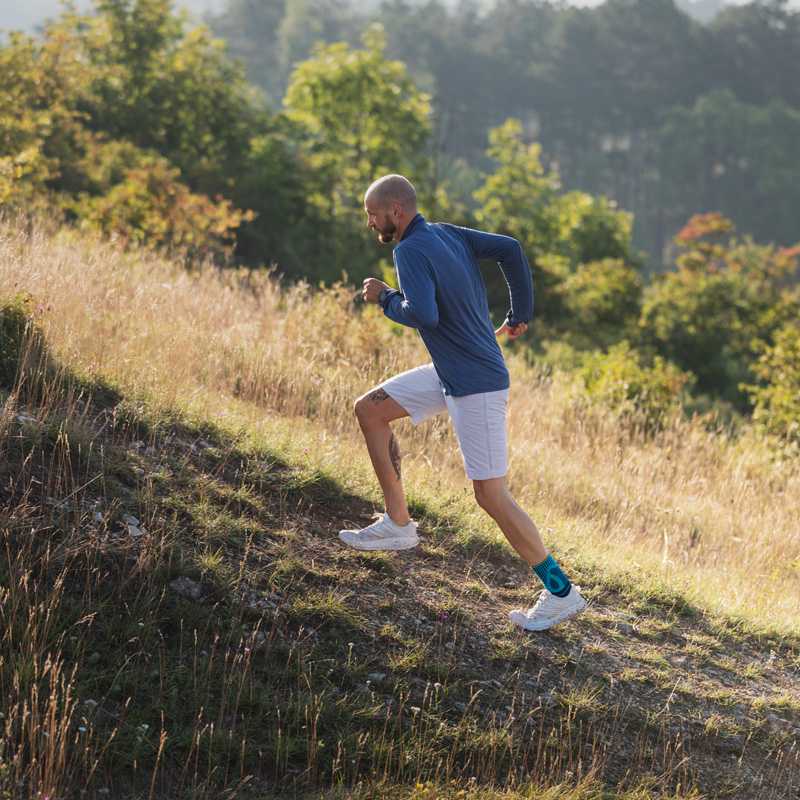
[383, 534]
[549, 610]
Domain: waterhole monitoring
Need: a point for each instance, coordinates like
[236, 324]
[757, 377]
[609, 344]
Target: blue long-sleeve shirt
[443, 295]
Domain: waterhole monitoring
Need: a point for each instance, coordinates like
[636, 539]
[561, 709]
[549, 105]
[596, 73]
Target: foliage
[602, 299]
[92, 79]
[41, 125]
[145, 203]
[777, 400]
[726, 154]
[708, 315]
[360, 116]
[169, 89]
[519, 196]
[559, 231]
[634, 100]
[621, 381]
[15, 324]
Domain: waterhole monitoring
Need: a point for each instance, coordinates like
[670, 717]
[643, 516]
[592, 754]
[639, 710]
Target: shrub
[708, 315]
[620, 381]
[15, 323]
[145, 202]
[602, 299]
[777, 400]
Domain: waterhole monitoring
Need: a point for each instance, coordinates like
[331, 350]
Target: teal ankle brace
[554, 580]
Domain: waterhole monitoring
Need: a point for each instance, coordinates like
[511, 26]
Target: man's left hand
[371, 289]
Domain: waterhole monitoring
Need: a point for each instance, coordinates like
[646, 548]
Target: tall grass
[717, 516]
[111, 687]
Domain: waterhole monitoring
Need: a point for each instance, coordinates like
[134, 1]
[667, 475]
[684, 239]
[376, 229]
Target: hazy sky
[30, 13]
[27, 15]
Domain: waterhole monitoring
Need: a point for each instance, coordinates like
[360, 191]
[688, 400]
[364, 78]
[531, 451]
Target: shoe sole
[551, 623]
[386, 544]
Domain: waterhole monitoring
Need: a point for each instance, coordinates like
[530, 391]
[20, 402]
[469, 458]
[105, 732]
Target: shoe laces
[545, 599]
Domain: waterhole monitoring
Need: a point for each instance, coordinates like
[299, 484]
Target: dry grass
[717, 518]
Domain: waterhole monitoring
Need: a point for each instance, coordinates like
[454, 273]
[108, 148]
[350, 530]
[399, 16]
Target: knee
[363, 409]
[485, 498]
[491, 498]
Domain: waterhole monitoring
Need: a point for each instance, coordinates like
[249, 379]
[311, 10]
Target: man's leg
[562, 600]
[495, 499]
[375, 410]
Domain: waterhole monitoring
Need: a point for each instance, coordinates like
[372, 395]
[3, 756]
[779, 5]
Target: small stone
[624, 627]
[129, 519]
[377, 677]
[94, 658]
[90, 704]
[186, 587]
[135, 532]
[97, 516]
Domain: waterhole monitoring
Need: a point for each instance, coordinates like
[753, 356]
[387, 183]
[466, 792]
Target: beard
[387, 232]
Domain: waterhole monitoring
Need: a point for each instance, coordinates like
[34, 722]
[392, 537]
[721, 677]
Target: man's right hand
[512, 332]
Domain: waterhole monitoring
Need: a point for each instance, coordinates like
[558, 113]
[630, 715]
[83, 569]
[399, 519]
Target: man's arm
[508, 254]
[416, 305]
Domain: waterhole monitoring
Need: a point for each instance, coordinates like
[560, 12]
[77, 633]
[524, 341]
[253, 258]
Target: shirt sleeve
[415, 304]
[510, 257]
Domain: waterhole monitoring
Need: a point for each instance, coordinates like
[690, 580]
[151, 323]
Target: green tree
[361, 116]
[138, 198]
[558, 231]
[603, 302]
[710, 314]
[55, 152]
[169, 89]
[776, 399]
[42, 84]
[621, 380]
[737, 158]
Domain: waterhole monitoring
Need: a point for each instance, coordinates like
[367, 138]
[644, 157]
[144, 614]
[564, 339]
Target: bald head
[392, 189]
[390, 204]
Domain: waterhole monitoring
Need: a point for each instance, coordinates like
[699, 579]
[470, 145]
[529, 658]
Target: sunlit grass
[714, 518]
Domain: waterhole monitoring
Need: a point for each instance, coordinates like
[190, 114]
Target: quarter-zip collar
[416, 222]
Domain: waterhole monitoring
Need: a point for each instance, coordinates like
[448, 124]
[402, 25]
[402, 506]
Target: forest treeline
[633, 99]
[133, 123]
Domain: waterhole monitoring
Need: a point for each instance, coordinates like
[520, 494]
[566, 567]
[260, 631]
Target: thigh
[479, 421]
[377, 404]
[418, 391]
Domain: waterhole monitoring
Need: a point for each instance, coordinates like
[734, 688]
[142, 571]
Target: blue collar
[415, 223]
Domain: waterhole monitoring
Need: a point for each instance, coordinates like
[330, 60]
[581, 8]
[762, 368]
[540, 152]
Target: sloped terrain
[180, 620]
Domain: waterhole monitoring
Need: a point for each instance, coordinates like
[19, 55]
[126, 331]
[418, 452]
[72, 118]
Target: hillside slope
[179, 620]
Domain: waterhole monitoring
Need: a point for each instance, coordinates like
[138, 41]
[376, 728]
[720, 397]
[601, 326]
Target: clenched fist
[371, 289]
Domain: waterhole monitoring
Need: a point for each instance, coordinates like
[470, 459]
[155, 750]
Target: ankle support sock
[554, 580]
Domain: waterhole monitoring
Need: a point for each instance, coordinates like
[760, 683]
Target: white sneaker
[383, 534]
[549, 610]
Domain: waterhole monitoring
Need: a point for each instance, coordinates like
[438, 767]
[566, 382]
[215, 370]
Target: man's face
[380, 220]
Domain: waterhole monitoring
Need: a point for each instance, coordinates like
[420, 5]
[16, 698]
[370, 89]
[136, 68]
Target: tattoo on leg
[378, 396]
[394, 454]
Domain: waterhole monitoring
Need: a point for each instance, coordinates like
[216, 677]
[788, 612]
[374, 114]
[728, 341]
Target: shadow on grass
[344, 666]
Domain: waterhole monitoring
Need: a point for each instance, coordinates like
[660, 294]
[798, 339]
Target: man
[443, 296]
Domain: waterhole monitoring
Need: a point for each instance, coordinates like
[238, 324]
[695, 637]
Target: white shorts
[479, 419]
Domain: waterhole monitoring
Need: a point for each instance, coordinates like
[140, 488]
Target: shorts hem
[488, 477]
[414, 417]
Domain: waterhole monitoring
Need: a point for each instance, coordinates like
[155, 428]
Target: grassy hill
[179, 619]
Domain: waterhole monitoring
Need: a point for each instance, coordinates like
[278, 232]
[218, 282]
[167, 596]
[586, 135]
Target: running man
[442, 294]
